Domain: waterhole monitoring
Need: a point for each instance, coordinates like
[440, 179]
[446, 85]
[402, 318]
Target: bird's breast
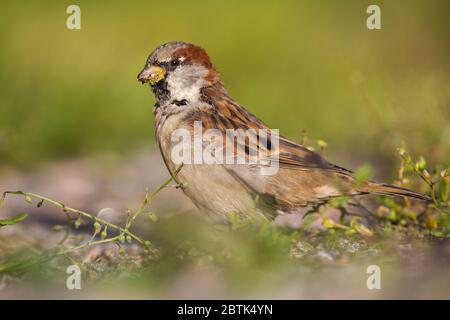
[210, 186]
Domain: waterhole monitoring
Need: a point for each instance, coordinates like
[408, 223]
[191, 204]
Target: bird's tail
[392, 191]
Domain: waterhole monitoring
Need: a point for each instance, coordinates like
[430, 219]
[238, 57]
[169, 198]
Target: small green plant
[436, 180]
[100, 226]
[428, 218]
[13, 220]
[432, 218]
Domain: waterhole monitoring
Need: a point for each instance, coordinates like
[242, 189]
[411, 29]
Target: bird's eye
[174, 62]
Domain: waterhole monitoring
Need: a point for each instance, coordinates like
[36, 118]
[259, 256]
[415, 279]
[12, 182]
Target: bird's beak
[151, 74]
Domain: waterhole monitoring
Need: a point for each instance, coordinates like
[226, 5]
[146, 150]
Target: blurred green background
[296, 64]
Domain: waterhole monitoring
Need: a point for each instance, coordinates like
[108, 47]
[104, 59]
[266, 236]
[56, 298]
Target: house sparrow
[189, 91]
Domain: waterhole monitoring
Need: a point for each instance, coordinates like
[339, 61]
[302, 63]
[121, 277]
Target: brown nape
[194, 55]
[213, 76]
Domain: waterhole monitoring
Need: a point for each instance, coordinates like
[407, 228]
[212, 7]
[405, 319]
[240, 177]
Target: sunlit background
[296, 64]
[76, 125]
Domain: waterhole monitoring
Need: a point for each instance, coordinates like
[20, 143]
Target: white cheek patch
[326, 191]
[185, 82]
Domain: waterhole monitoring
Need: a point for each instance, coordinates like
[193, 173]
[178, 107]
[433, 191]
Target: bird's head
[177, 71]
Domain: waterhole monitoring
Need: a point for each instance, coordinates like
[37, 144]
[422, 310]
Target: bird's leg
[344, 213]
[366, 212]
[314, 209]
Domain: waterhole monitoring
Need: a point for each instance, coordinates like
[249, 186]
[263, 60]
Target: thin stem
[88, 244]
[149, 197]
[80, 212]
[431, 184]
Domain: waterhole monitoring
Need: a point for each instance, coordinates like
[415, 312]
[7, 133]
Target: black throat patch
[160, 91]
[180, 103]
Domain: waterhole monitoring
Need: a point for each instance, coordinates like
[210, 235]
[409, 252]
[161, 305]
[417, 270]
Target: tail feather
[392, 191]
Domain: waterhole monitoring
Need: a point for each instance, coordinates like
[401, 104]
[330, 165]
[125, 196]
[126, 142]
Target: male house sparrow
[188, 89]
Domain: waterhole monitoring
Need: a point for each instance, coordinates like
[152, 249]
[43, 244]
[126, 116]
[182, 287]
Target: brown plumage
[190, 90]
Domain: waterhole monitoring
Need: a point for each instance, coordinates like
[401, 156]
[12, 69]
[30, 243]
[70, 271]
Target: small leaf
[354, 221]
[13, 220]
[360, 228]
[77, 222]
[152, 217]
[27, 198]
[104, 233]
[339, 202]
[363, 173]
[443, 190]
[121, 238]
[421, 164]
[392, 215]
[431, 222]
[411, 214]
[328, 223]
[97, 227]
[322, 144]
[438, 234]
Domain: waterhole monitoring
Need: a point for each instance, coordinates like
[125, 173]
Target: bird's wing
[278, 169]
[294, 156]
[255, 141]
